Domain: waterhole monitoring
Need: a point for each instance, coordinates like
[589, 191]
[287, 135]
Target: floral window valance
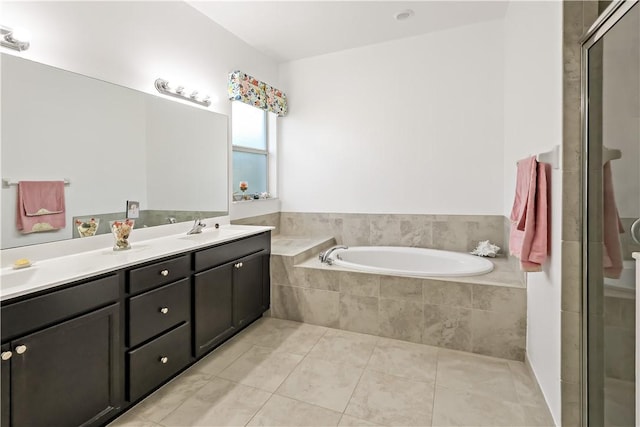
[248, 89]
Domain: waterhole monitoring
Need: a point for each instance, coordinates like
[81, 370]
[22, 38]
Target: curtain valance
[248, 89]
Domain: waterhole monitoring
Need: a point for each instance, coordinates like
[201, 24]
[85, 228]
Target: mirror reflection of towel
[40, 206]
[612, 227]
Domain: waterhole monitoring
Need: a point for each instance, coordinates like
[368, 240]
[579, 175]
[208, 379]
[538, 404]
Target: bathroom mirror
[113, 144]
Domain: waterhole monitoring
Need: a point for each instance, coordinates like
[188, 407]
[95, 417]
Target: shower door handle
[635, 231]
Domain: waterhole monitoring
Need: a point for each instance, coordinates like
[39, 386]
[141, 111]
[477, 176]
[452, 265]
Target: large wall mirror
[113, 144]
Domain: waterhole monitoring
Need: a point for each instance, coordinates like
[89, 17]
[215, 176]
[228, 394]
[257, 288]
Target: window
[250, 142]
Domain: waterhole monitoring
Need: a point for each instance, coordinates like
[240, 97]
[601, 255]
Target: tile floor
[284, 373]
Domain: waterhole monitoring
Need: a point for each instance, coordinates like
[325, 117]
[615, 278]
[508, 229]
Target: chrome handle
[635, 231]
[164, 310]
[21, 349]
[164, 273]
[6, 355]
[164, 359]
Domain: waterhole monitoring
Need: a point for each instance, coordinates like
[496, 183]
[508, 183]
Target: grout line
[360, 378]
[259, 409]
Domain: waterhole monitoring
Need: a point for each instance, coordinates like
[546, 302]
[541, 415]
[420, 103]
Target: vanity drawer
[151, 276]
[219, 255]
[158, 310]
[156, 361]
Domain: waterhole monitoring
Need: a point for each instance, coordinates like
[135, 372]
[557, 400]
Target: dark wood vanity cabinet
[231, 291]
[63, 367]
[82, 354]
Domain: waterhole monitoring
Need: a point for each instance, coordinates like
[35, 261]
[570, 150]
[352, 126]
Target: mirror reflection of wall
[114, 144]
[621, 118]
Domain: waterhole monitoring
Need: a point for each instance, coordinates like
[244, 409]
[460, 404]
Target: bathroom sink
[211, 235]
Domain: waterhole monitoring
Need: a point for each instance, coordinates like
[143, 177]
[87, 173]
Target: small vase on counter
[121, 230]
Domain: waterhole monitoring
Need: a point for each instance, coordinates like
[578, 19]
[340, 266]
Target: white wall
[532, 124]
[132, 43]
[408, 126]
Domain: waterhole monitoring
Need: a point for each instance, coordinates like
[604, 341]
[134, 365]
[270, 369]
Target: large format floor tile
[390, 400]
[285, 335]
[405, 359]
[282, 411]
[284, 373]
[479, 375]
[322, 383]
[262, 367]
[463, 408]
[344, 347]
[220, 402]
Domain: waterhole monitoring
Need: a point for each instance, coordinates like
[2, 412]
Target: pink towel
[529, 215]
[40, 206]
[612, 227]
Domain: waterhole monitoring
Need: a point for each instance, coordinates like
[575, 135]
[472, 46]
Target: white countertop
[48, 272]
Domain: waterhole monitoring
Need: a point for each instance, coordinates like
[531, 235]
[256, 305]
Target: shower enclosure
[611, 198]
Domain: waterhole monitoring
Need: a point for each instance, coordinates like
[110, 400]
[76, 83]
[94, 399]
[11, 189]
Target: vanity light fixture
[180, 92]
[13, 39]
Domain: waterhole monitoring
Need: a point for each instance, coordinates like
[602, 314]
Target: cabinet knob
[6, 355]
[164, 310]
[164, 359]
[164, 273]
[238, 265]
[21, 349]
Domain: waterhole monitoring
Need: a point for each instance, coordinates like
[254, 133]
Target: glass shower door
[612, 206]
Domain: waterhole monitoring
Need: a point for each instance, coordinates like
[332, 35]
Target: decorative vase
[244, 186]
[87, 227]
[121, 231]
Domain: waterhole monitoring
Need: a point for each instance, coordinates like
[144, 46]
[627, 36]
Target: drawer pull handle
[21, 349]
[164, 310]
[164, 273]
[164, 359]
[6, 355]
[238, 265]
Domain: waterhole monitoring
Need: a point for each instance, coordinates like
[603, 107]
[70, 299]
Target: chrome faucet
[324, 256]
[198, 225]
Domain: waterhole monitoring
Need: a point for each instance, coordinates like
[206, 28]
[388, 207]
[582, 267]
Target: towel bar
[551, 157]
[6, 183]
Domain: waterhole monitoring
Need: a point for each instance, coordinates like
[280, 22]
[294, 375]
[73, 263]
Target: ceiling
[289, 30]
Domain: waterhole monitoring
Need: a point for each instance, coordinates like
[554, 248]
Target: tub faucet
[324, 256]
[198, 225]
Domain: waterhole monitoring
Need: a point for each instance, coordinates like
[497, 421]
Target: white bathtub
[410, 261]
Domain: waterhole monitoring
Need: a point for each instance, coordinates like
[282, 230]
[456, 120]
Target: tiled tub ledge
[480, 314]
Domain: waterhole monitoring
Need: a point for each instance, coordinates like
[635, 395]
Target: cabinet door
[213, 317]
[68, 374]
[248, 289]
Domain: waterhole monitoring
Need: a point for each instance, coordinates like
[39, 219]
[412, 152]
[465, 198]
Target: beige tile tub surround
[449, 232]
[342, 378]
[481, 314]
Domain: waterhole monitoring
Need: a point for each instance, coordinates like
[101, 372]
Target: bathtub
[410, 261]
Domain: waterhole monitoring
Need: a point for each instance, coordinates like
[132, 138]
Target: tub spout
[324, 256]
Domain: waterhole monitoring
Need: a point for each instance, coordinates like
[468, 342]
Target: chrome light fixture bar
[180, 92]
[9, 38]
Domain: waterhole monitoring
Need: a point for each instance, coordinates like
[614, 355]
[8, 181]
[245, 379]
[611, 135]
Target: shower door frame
[610, 17]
